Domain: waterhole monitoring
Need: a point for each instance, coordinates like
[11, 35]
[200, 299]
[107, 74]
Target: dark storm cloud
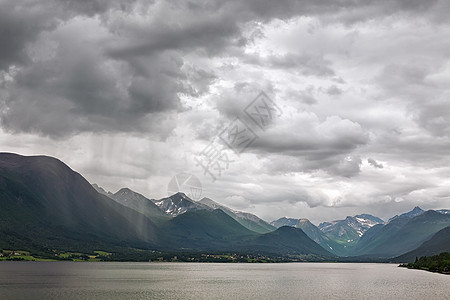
[232, 102]
[345, 11]
[78, 90]
[312, 145]
[134, 68]
[356, 80]
[313, 138]
[212, 33]
[19, 26]
[115, 81]
[335, 165]
[92, 7]
[21, 22]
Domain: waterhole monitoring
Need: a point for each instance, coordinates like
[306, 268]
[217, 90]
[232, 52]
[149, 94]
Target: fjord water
[68, 280]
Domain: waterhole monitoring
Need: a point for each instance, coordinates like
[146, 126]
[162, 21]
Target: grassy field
[18, 255]
[24, 258]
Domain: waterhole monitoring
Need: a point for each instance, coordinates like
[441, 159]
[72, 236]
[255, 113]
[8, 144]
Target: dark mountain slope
[140, 203]
[247, 220]
[440, 242]
[403, 234]
[314, 233]
[416, 211]
[43, 202]
[378, 234]
[204, 230]
[286, 240]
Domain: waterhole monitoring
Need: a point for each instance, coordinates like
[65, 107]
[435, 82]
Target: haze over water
[67, 280]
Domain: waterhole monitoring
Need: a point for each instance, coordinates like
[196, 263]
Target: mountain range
[314, 233]
[247, 220]
[46, 205]
[178, 204]
[367, 236]
[417, 211]
[350, 230]
[401, 234]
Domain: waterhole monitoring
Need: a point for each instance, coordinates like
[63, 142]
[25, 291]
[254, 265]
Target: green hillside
[247, 220]
[440, 242]
[141, 204]
[287, 240]
[402, 235]
[320, 238]
[203, 230]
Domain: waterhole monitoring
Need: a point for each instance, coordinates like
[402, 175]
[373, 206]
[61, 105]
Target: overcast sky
[131, 93]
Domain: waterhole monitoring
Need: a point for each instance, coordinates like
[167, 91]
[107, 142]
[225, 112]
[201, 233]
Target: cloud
[333, 91]
[20, 27]
[133, 63]
[80, 89]
[374, 163]
[147, 85]
[305, 64]
[348, 167]
[313, 139]
[22, 22]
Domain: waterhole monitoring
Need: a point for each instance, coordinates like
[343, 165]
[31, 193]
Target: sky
[305, 109]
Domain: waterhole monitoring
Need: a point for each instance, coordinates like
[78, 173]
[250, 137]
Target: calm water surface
[68, 280]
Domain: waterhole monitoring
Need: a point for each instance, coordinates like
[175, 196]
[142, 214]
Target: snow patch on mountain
[178, 204]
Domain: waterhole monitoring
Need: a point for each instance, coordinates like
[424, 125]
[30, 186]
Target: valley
[49, 210]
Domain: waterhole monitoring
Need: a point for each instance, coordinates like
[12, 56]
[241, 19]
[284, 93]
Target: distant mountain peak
[351, 229]
[248, 220]
[284, 221]
[311, 230]
[181, 195]
[416, 211]
[124, 190]
[178, 204]
[101, 190]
